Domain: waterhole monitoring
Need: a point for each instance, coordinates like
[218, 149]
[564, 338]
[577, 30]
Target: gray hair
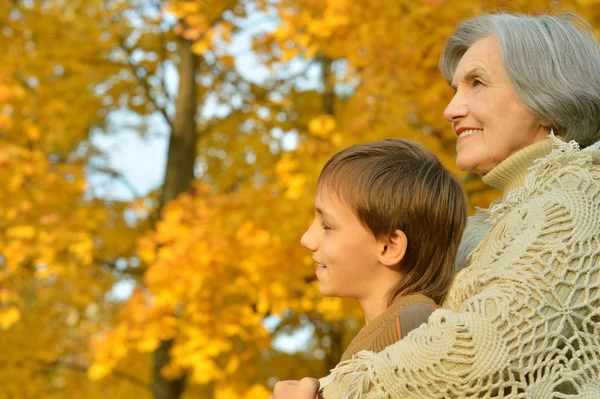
[552, 64]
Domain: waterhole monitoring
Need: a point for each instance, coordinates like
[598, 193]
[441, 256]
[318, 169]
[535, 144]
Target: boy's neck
[376, 300]
[373, 306]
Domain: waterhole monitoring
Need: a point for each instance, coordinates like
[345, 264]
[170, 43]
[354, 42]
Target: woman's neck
[510, 173]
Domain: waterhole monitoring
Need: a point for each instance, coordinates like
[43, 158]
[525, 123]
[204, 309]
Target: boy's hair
[399, 184]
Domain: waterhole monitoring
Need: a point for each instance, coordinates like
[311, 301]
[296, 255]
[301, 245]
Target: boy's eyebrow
[323, 212]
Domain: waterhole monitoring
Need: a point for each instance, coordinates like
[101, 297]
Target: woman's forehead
[482, 53]
[482, 57]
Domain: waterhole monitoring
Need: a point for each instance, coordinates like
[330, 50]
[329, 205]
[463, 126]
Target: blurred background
[158, 163]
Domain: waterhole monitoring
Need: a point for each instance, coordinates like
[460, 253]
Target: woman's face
[486, 116]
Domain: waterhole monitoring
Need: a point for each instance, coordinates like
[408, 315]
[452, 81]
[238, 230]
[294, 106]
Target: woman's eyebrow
[468, 76]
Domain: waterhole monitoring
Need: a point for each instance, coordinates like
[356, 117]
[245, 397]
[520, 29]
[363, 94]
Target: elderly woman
[523, 318]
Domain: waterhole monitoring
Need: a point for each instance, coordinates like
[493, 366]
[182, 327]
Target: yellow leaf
[310, 52]
[190, 7]
[23, 232]
[5, 93]
[204, 372]
[296, 185]
[98, 371]
[289, 54]
[15, 182]
[245, 230]
[33, 132]
[172, 371]
[146, 250]
[231, 330]
[322, 125]
[258, 392]
[201, 46]
[148, 344]
[9, 317]
[286, 165]
[83, 250]
[233, 365]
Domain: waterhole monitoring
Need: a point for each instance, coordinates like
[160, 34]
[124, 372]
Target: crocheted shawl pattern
[523, 320]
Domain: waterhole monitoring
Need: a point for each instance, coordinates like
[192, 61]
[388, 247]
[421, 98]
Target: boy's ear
[393, 249]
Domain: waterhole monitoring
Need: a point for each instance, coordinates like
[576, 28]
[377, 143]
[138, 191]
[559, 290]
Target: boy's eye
[325, 226]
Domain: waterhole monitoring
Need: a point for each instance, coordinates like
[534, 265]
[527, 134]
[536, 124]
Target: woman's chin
[465, 164]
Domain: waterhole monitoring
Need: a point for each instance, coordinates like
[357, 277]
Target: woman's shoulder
[567, 182]
[568, 163]
[568, 177]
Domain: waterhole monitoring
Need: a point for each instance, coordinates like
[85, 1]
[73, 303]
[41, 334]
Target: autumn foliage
[217, 270]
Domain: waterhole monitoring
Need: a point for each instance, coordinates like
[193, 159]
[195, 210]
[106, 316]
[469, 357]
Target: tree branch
[143, 82]
[115, 174]
[83, 368]
[130, 271]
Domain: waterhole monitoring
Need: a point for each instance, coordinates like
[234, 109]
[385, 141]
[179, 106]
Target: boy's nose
[308, 240]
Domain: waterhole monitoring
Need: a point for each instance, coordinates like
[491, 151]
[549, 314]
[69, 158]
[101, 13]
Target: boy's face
[344, 250]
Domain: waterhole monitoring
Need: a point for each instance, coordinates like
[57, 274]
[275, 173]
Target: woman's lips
[468, 132]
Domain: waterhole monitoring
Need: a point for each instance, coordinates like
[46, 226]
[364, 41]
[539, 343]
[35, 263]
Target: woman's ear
[393, 249]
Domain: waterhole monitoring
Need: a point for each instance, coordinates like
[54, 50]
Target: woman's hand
[306, 388]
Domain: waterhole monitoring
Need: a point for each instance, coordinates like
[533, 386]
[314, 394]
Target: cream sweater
[523, 320]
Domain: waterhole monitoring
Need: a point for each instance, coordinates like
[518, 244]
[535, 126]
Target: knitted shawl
[523, 319]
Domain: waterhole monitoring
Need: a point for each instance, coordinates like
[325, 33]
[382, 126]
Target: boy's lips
[320, 268]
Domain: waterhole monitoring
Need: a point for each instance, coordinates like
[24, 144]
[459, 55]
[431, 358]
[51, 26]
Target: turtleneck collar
[510, 173]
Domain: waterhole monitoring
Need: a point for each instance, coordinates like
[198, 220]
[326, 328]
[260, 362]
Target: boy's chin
[325, 290]
[331, 292]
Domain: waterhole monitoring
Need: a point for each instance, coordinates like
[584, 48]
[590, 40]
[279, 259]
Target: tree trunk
[178, 178]
[163, 388]
[329, 92]
[182, 143]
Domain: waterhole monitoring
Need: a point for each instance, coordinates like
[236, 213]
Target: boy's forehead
[325, 194]
[330, 201]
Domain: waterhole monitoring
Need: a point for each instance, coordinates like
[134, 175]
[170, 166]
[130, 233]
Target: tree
[214, 252]
[58, 244]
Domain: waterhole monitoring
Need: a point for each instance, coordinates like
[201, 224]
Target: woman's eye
[477, 82]
[325, 226]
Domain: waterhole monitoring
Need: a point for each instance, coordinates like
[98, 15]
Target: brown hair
[399, 184]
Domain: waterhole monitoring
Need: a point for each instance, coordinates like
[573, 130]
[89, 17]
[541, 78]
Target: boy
[388, 221]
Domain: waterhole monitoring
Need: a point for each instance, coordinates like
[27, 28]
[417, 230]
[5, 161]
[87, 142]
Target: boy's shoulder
[408, 312]
[412, 315]
[403, 316]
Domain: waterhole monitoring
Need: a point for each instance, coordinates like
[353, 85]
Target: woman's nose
[309, 240]
[456, 109]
